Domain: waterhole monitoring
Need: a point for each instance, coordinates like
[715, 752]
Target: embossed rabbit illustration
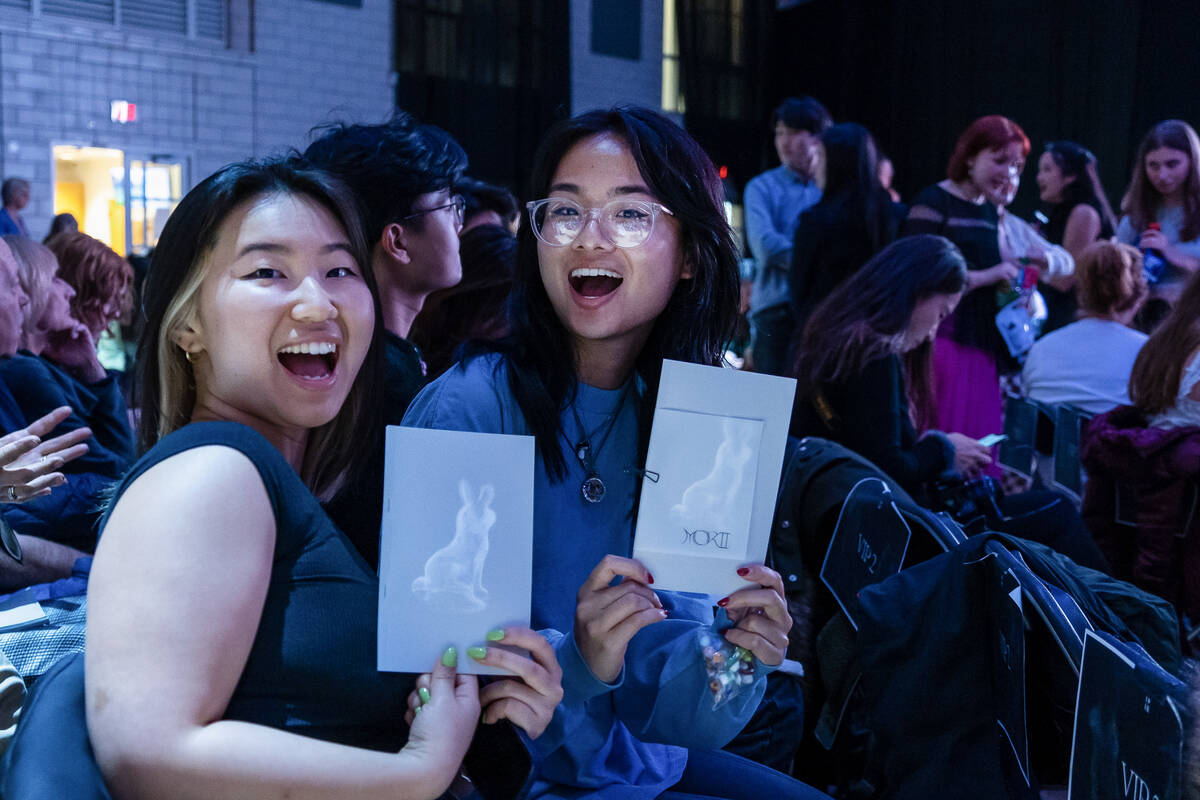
[707, 502]
[453, 579]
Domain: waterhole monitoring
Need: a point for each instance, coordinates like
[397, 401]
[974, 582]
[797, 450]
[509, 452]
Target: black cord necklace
[593, 488]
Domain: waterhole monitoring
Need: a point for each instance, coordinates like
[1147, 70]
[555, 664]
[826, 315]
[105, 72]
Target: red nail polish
[724, 601]
[743, 571]
[649, 578]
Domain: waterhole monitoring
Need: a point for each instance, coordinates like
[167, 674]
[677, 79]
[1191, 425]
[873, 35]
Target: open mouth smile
[594, 282]
[311, 361]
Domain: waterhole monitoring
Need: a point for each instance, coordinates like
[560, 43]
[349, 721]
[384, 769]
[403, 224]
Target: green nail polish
[477, 652]
[423, 693]
[450, 657]
[495, 636]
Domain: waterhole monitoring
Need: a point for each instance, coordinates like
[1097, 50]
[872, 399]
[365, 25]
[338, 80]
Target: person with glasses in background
[403, 174]
[627, 259]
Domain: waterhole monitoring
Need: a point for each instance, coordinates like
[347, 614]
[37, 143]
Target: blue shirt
[1170, 219]
[606, 740]
[773, 203]
[10, 226]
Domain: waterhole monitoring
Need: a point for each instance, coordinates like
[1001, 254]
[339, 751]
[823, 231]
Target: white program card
[712, 474]
[456, 554]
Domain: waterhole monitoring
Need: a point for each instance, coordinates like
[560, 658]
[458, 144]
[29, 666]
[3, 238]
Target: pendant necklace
[593, 488]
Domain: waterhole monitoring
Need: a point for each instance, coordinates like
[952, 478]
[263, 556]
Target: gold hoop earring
[191, 357]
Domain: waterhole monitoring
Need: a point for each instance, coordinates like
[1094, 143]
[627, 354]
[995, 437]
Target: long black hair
[1076, 161]
[866, 316]
[852, 179]
[700, 316]
[166, 389]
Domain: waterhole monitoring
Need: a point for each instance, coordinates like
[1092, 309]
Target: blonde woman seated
[1087, 363]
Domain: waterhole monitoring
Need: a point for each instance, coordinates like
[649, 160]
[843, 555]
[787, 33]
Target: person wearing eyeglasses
[403, 174]
[626, 259]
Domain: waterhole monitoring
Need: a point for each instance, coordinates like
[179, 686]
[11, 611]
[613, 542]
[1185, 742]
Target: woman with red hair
[989, 155]
[99, 276]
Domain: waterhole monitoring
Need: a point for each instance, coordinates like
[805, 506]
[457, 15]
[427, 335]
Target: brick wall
[319, 62]
[602, 81]
[312, 62]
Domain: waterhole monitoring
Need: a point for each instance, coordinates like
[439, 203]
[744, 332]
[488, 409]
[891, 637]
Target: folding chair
[1029, 428]
[1068, 427]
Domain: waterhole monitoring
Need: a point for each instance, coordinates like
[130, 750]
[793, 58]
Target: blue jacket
[39, 386]
[628, 739]
[68, 515]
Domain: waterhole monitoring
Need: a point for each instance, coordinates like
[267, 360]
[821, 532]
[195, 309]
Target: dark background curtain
[494, 73]
[916, 72]
[724, 51]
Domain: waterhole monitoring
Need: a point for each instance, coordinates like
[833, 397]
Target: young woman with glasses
[627, 259]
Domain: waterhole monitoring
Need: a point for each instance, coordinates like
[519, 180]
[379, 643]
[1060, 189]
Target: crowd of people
[295, 306]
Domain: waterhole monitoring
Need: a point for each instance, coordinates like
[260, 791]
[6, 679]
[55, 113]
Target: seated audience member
[487, 204]
[62, 223]
[475, 309]
[273, 690]
[854, 219]
[864, 378]
[403, 175]
[1087, 363]
[1165, 189]
[1077, 214]
[69, 515]
[30, 467]
[627, 259]
[1165, 381]
[1143, 462]
[67, 371]
[99, 276]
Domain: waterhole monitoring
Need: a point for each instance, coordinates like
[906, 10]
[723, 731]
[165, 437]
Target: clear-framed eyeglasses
[558, 221]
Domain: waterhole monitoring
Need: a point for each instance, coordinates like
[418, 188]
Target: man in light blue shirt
[773, 203]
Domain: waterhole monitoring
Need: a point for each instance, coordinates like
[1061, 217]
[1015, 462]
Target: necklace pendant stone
[592, 489]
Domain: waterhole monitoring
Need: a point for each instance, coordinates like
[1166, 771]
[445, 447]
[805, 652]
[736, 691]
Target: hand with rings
[29, 466]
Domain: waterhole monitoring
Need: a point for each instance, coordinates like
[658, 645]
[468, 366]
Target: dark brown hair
[1142, 201]
[166, 387]
[700, 316]
[1154, 382]
[866, 316]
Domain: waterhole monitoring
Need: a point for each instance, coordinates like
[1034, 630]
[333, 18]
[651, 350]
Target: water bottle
[1153, 264]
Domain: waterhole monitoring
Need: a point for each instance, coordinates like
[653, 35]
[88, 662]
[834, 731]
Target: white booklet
[456, 554]
[21, 611]
[712, 474]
